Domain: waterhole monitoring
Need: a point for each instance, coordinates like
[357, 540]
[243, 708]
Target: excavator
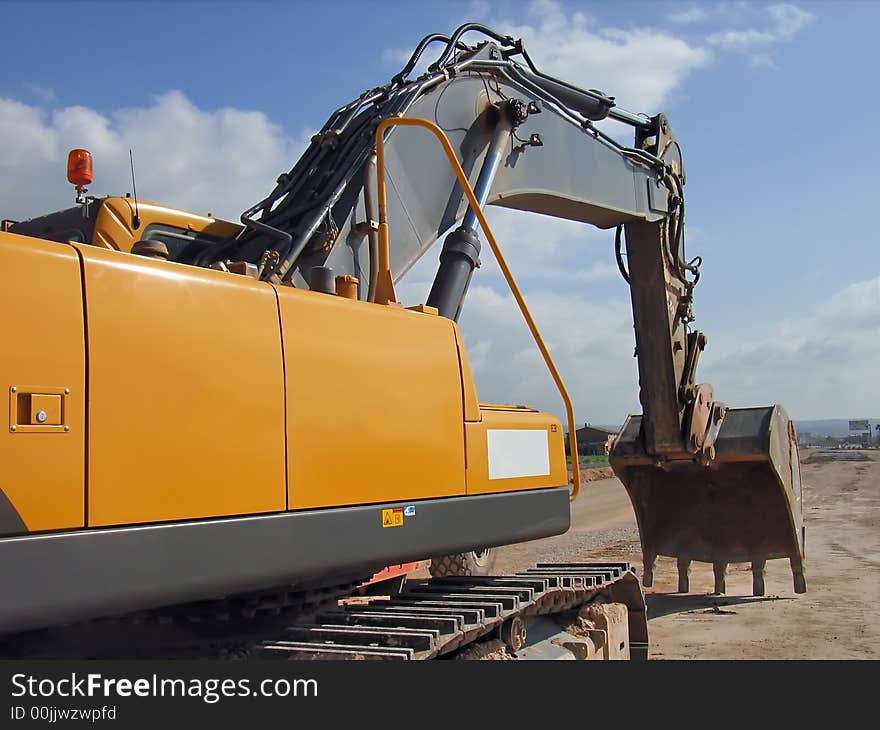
[242, 419]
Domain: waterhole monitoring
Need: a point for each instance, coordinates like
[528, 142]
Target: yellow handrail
[385, 285]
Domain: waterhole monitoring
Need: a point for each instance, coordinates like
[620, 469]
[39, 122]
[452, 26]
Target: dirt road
[838, 617]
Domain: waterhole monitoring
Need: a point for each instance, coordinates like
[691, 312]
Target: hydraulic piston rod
[461, 249]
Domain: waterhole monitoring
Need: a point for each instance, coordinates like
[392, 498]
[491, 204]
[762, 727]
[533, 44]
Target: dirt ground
[838, 617]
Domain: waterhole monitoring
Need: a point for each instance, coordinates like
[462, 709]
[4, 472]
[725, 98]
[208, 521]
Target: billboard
[859, 425]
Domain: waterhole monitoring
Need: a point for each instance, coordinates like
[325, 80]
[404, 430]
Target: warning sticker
[392, 517]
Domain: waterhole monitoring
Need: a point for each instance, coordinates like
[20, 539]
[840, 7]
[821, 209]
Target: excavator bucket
[744, 506]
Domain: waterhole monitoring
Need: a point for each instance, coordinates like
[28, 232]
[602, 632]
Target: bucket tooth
[797, 574]
[684, 570]
[758, 576]
[648, 560]
[720, 571]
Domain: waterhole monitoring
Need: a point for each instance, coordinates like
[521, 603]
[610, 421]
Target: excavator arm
[707, 483]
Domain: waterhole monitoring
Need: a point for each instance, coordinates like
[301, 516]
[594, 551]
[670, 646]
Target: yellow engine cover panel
[374, 402]
[514, 448]
[114, 227]
[43, 355]
[186, 399]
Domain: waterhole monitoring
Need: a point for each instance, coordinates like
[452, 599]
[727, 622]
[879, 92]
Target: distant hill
[838, 427]
[829, 426]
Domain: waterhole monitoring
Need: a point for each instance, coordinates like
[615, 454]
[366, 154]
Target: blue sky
[775, 105]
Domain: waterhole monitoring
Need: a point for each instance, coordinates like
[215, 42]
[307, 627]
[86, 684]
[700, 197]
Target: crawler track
[434, 619]
[440, 617]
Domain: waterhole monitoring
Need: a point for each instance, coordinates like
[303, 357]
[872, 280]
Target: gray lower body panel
[59, 578]
[10, 521]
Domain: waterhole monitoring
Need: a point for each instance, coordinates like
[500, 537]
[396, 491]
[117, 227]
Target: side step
[443, 615]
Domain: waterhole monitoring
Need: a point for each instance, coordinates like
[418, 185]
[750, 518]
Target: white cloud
[739, 40]
[44, 94]
[478, 9]
[530, 242]
[779, 23]
[592, 346]
[219, 161]
[692, 14]
[789, 19]
[821, 365]
[639, 66]
[597, 272]
[398, 56]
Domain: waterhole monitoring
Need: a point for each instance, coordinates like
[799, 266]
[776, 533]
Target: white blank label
[518, 453]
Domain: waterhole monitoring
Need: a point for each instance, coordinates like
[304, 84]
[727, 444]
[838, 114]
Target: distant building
[591, 439]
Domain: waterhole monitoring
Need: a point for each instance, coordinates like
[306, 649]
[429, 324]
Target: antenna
[136, 221]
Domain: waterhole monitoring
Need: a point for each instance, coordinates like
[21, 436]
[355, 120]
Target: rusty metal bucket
[745, 506]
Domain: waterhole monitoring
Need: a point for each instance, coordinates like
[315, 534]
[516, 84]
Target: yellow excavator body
[168, 431]
[201, 410]
[146, 392]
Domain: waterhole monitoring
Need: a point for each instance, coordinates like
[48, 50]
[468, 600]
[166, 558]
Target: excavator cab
[108, 223]
[121, 223]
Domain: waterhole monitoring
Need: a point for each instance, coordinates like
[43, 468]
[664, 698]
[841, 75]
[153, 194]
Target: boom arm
[527, 141]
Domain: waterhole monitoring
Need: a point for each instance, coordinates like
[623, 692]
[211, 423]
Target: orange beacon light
[79, 171]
